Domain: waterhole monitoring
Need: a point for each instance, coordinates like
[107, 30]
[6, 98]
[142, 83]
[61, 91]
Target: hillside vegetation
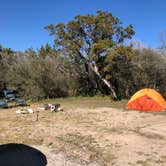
[89, 57]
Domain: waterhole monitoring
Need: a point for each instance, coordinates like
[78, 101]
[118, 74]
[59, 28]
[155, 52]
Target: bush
[40, 78]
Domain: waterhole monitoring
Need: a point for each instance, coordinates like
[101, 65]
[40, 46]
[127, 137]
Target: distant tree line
[89, 57]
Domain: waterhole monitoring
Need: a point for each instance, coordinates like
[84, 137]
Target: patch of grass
[160, 161]
[129, 163]
[146, 162]
[140, 153]
[78, 140]
[114, 130]
[86, 102]
[88, 143]
[151, 136]
[22, 140]
[147, 135]
[108, 157]
[163, 158]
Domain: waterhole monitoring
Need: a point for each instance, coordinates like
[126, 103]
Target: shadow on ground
[21, 155]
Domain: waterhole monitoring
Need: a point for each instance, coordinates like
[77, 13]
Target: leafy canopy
[88, 37]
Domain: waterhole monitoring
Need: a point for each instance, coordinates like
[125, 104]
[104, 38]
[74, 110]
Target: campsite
[90, 131]
[82, 83]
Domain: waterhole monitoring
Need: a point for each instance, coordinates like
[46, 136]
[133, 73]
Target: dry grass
[146, 162]
[91, 130]
[87, 102]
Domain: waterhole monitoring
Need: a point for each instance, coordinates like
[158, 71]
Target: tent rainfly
[147, 100]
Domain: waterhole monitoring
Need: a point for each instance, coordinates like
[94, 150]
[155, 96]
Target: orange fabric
[147, 100]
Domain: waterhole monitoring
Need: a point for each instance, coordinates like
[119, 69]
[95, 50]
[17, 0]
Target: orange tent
[147, 100]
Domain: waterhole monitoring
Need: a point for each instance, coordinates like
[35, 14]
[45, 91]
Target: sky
[22, 22]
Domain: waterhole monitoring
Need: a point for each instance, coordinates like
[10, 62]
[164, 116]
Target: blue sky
[22, 21]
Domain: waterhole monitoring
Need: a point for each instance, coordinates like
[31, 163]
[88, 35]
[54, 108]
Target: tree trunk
[95, 70]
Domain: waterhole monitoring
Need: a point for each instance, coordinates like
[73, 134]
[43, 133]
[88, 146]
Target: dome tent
[147, 100]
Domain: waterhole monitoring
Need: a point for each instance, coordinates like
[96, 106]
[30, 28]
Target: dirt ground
[81, 136]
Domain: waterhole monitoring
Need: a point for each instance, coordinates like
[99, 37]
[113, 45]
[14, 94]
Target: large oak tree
[87, 39]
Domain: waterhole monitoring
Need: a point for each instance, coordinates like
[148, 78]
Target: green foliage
[85, 34]
[88, 38]
[119, 68]
[46, 50]
[31, 52]
[40, 78]
[68, 68]
[150, 69]
[130, 70]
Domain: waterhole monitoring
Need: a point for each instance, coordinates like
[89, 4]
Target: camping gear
[20, 102]
[3, 104]
[52, 107]
[147, 100]
[11, 95]
[24, 111]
